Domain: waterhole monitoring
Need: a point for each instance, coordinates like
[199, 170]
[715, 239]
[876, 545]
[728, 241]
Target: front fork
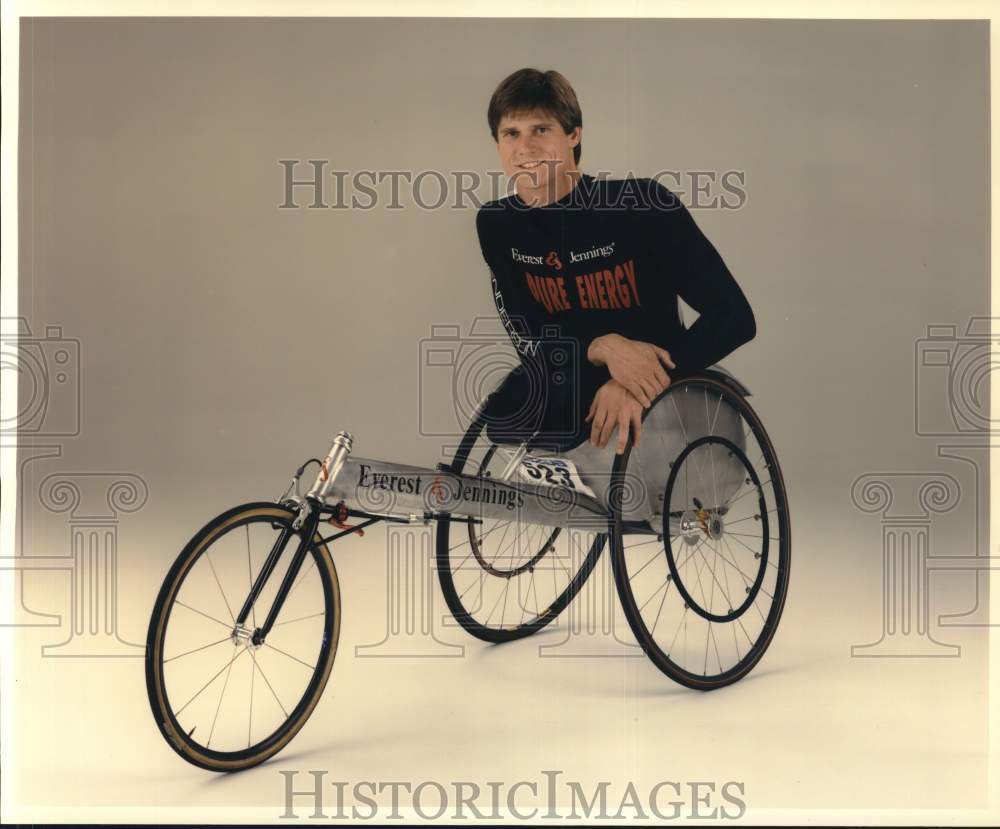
[305, 525]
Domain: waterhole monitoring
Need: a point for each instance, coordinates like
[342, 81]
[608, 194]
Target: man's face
[535, 152]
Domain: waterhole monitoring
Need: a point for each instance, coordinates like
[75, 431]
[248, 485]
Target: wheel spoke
[195, 650]
[267, 682]
[761, 590]
[534, 590]
[226, 625]
[299, 619]
[656, 621]
[755, 488]
[295, 658]
[665, 583]
[681, 624]
[716, 580]
[253, 675]
[750, 535]
[691, 553]
[478, 542]
[656, 555]
[503, 595]
[223, 592]
[225, 685]
[178, 712]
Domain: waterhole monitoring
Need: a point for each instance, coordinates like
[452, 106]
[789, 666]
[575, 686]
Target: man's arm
[510, 310]
[726, 320]
[515, 405]
[640, 367]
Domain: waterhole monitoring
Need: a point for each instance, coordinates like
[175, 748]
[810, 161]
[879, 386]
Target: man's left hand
[614, 405]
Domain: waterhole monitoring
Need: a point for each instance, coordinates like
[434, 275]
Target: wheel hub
[244, 636]
[697, 523]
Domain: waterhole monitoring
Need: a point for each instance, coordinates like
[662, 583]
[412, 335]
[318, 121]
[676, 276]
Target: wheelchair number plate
[553, 472]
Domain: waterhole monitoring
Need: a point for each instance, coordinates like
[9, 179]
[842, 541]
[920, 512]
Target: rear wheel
[704, 596]
[506, 579]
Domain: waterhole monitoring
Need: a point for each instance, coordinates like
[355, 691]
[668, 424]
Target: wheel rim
[225, 701]
[704, 596]
[690, 528]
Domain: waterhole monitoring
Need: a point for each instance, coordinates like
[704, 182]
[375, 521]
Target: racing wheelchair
[696, 518]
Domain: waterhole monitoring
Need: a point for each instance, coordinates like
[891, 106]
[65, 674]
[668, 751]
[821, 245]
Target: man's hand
[638, 366]
[614, 405]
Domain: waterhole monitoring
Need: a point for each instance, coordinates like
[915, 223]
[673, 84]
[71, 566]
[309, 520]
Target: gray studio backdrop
[223, 339]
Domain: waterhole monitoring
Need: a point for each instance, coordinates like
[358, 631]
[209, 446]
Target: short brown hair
[530, 89]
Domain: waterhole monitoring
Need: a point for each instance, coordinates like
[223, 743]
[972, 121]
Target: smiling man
[600, 261]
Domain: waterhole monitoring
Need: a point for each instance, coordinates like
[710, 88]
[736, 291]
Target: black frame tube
[265, 573]
[305, 542]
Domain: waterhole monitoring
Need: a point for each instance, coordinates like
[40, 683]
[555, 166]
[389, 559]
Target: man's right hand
[638, 366]
[614, 407]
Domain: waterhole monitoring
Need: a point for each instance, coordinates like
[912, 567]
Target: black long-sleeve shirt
[611, 256]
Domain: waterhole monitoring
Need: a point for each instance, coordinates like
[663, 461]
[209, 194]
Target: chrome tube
[332, 464]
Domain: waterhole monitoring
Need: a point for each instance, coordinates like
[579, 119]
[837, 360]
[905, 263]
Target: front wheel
[223, 700]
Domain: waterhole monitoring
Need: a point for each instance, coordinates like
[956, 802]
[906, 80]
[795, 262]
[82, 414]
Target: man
[604, 261]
